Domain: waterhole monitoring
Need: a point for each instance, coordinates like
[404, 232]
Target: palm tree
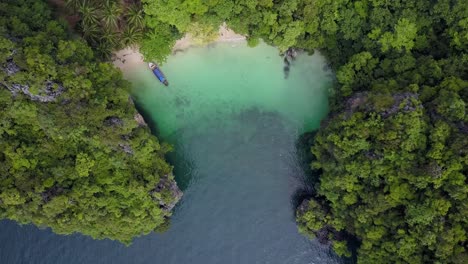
[131, 36]
[104, 50]
[135, 16]
[90, 32]
[73, 4]
[111, 38]
[111, 12]
[89, 14]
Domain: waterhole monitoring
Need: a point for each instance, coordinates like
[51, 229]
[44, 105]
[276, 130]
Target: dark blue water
[236, 162]
[238, 208]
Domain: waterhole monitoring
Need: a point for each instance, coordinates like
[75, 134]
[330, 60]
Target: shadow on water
[183, 166]
[250, 126]
[310, 178]
[153, 126]
[235, 157]
[305, 157]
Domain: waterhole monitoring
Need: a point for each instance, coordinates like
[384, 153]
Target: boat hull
[158, 73]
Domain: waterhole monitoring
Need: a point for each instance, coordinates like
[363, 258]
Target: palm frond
[89, 14]
[111, 38]
[111, 12]
[131, 36]
[73, 4]
[135, 16]
[90, 32]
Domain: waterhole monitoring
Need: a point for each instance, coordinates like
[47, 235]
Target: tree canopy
[283, 24]
[73, 155]
[107, 25]
[393, 152]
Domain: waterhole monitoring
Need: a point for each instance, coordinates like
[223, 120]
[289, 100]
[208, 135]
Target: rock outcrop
[139, 119]
[48, 93]
[167, 183]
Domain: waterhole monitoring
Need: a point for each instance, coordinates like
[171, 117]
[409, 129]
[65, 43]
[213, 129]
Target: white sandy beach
[130, 57]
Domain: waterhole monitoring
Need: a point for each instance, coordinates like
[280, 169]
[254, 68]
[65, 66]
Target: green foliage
[135, 17]
[158, 42]
[393, 153]
[72, 156]
[394, 179]
[341, 248]
[403, 36]
[253, 42]
[109, 24]
[283, 24]
[312, 218]
[6, 48]
[111, 13]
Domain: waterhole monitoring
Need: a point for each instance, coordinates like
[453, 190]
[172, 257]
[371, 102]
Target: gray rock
[140, 120]
[113, 121]
[50, 93]
[47, 94]
[11, 68]
[126, 148]
[167, 182]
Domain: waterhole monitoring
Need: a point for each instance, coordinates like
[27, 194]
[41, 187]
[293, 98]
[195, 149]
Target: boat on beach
[158, 73]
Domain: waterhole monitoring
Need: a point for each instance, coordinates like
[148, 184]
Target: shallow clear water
[234, 121]
[211, 84]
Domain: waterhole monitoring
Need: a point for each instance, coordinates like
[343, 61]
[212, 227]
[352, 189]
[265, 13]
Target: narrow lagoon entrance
[234, 121]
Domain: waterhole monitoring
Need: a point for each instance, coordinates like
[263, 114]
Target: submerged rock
[289, 56]
[286, 71]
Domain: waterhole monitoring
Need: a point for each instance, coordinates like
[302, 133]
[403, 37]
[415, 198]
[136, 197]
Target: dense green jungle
[391, 156]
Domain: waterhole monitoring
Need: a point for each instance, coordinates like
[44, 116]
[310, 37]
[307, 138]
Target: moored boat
[158, 73]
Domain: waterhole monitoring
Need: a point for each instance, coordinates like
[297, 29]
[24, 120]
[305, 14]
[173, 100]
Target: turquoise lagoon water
[234, 120]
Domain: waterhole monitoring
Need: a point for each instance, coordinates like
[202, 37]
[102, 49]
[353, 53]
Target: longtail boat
[158, 73]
